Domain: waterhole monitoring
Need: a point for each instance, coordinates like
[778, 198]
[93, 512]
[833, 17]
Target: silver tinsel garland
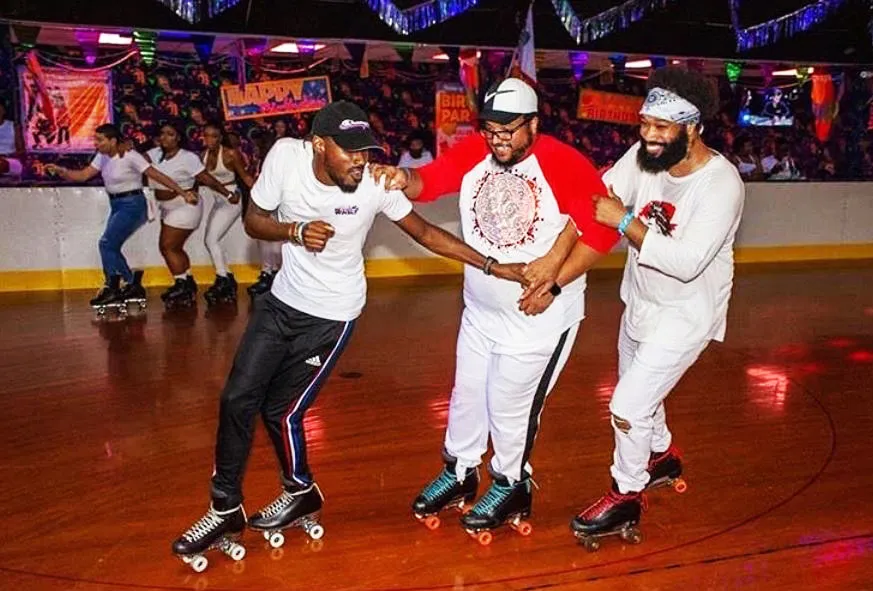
[420, 16]
[196, 10]
[788, 25]
[605, 23]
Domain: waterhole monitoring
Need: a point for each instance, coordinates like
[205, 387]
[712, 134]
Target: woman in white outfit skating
[226, 165]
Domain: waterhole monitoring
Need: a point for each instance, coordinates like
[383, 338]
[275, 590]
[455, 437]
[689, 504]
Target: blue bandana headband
[667, 105]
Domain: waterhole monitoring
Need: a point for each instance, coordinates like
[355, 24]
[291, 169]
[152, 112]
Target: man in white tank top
[679, 204]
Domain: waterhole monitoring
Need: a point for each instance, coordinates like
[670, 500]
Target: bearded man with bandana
[678, 203]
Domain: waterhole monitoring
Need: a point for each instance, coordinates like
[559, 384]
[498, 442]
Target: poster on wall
[612, 107]
[454, 118]
[276, 97]
[60, 109]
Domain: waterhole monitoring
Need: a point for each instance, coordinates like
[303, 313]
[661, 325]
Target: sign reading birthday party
[454, 117]
[609, 106]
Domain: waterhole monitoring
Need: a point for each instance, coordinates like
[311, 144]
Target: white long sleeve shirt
[676, 288]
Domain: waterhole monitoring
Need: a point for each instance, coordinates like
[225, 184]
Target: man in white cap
[678, 203]
[521, 194]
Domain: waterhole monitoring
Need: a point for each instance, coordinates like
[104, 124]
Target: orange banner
[609, 106]
[60, 109]
[454, 118]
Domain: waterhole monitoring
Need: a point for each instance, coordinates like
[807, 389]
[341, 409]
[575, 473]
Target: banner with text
[454, 117]
[277, 97]
[609, 106]
[61, 109]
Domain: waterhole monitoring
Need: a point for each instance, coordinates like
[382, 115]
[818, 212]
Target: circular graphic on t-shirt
[505, 209]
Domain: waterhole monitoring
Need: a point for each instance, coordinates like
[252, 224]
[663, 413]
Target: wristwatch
[555, 290]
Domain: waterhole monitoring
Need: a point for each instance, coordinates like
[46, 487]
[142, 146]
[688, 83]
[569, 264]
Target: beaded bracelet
[625, 222]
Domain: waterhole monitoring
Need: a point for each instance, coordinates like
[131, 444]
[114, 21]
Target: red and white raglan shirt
[677, 286]
[515, 215]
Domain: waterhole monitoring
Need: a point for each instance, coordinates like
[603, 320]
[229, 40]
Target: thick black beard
[514, 158]
[673, 154]
[416, 153]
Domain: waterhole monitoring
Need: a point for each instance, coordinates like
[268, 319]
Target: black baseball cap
[347, 124]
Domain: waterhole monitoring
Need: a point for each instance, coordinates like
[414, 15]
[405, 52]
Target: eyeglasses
[503, 135]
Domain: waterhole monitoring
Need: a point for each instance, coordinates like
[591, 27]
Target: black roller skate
[181, 294]
[665, 469]
[612, 514]
[293, 508]
[134, 293]
[219, 530]
[445, 492]
[504, 503]
[263, 284]
[222, 291]
[109, 298]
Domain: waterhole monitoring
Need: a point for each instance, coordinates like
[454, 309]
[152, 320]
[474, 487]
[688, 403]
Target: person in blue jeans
[122, 170]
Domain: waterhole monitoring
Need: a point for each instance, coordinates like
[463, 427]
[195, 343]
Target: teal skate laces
[496, 494]
[440, 485]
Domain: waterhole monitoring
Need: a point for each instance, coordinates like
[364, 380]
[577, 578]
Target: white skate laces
[283, 501]
[207, 524]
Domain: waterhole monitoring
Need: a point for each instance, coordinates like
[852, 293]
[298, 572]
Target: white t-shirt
[329, 284]
[515, 215]
[182, 168]
[407, 161]
[677, 286]
[121, 173]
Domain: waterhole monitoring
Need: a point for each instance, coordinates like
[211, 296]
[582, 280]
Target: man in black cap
[325, 206]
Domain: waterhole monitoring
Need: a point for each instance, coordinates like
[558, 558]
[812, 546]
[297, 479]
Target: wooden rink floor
[107, 435]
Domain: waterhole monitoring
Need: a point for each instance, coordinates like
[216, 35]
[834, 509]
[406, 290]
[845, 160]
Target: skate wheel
[276, 540]
[432, 522]
[632, 535]
[199, 564]
[266, 535]
[680, 486]
[237, 552]
[316, 532]
[524, 528]
[484, 537]
[590, 544]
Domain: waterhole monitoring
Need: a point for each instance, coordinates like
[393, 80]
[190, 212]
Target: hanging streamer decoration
[420, 16]
[783, 27]
[578, 61]
[732, 71]
[147, 43]
[196, 10]
[605, 23]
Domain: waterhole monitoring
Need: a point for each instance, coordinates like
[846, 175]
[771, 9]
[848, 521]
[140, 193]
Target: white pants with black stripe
[500, 391]
[647, 372]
